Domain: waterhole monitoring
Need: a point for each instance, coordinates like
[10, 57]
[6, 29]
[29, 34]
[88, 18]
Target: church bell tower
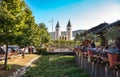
[57, 31]
[69, 31]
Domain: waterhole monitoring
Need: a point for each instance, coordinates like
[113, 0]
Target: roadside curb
[22, 71]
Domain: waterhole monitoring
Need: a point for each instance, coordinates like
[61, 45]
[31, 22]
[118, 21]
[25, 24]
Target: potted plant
[112, 34]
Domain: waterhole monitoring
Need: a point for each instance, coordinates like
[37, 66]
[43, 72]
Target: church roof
[69, 24]
[57, 25]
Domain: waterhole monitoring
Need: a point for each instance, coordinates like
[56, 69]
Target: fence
[95, 66]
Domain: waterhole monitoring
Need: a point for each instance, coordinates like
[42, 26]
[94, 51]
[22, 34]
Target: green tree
[44, 35]
[6, 25]
[16, 22]
[112, 33]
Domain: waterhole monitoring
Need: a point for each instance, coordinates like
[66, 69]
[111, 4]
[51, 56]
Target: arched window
[63, 37]
[60, 38]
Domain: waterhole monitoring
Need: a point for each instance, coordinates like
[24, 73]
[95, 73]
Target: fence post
[79, 63]
[106, 71]
[93, 68]
[116, 73]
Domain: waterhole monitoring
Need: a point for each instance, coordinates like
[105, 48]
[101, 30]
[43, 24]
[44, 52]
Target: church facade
[63, 35]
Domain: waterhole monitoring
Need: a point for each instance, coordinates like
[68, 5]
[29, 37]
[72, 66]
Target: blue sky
[83, 14]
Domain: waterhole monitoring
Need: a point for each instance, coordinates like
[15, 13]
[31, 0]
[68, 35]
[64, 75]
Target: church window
[56, 29]
[60, 38]
[65, 38]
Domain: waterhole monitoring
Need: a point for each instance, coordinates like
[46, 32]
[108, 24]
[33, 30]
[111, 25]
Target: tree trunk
[23, 53]
[6, 56]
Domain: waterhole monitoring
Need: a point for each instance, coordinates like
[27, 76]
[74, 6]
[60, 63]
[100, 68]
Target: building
[77, 32]
[64, 35]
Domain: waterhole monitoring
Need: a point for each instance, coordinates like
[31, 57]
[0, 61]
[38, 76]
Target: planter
[76, 49]
[90, 53]
[112, 58]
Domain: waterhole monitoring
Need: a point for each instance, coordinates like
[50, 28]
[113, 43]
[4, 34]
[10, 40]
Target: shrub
[9, 67]
[41, 51]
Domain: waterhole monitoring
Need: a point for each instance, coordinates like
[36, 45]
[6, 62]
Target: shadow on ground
[10, 69]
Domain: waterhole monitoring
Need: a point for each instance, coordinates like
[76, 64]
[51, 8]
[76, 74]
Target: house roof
[98, 28]
[102, 27]
[117, 23]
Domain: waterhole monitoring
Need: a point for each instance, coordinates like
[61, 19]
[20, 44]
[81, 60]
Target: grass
[55, 66]
[14, 64]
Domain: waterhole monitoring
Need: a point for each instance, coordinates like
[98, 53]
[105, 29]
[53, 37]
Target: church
[63, 35]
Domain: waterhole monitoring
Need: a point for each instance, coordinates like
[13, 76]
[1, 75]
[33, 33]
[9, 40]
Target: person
[93, 45]
[12, 50]
[2, 51]
[22, 50]
[113, 49]
[30, 50]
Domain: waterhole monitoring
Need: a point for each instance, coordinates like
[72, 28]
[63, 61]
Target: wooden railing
[98, 64]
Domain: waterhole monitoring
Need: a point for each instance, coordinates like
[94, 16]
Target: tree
[6, 25]
[112, 33]
[44, 35]
[16, 22]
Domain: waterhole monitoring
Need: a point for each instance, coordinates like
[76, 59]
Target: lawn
[55, 66]
[14, 64]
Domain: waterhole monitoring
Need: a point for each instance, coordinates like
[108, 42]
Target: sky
[83, 14]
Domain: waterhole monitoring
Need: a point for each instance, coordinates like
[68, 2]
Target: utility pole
[52, 27]
[52, 24]
[53, 35]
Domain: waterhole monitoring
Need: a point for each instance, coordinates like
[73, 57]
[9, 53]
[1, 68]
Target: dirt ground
[15, 63]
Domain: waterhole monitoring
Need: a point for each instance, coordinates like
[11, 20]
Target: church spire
[69, 24]
[57, 25]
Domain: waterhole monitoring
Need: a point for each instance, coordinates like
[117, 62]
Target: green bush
[9, 67]
[42, 51]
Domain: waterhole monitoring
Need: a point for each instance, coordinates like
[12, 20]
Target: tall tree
[16, 22]
[45, 38]
[6, 25]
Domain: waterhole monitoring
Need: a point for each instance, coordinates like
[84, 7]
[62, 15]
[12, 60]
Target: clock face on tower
[68, 29]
